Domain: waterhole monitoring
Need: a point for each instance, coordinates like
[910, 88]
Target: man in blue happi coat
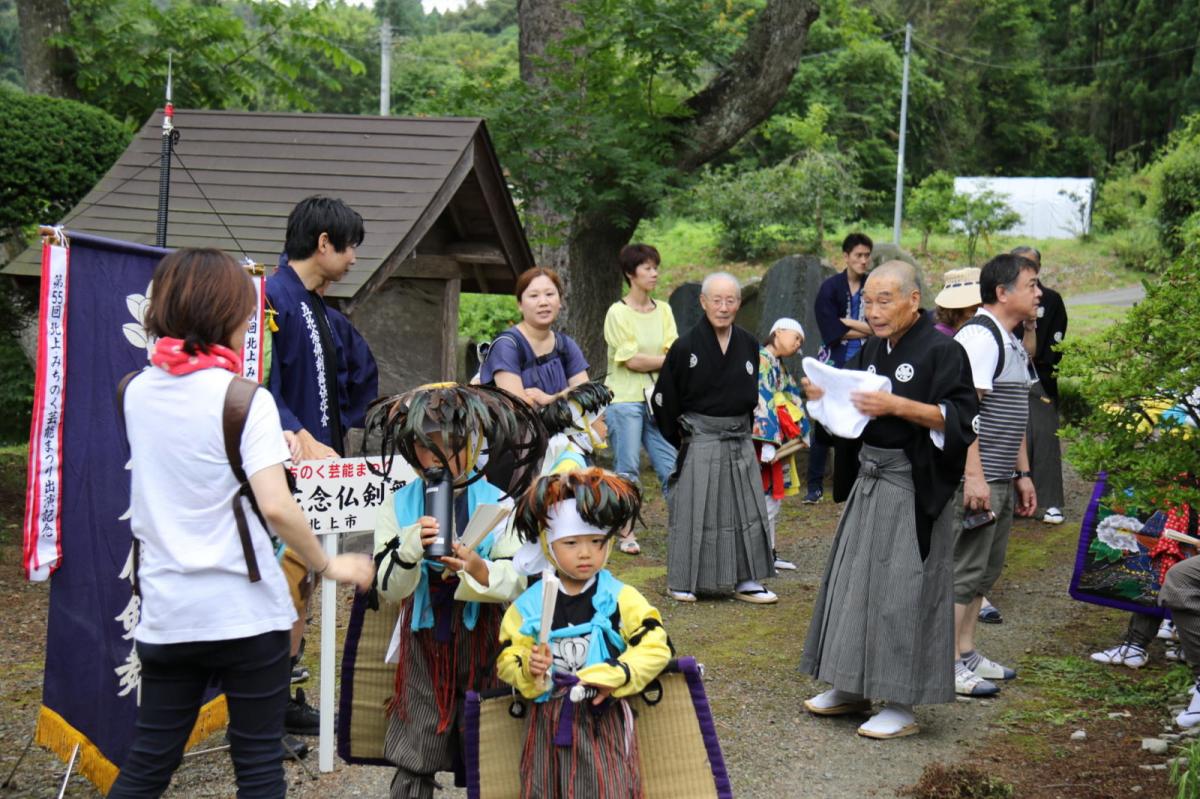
[322, 235]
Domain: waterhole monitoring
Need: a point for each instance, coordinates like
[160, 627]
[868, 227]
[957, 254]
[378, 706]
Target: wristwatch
[1019, 475]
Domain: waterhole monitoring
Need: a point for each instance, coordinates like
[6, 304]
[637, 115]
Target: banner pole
[328, 644]
[164, 166]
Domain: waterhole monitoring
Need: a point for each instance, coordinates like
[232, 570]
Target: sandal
[630, 546]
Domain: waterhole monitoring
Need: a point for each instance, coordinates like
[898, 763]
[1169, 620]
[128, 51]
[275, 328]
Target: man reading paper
[883, 622]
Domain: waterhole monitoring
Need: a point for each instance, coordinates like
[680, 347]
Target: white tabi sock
[748, 587]
[893, 718]
[833, 698]
[1190, 717]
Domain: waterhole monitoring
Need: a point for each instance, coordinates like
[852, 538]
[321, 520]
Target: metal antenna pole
[903, 127]
[164, 169]
[385, 68]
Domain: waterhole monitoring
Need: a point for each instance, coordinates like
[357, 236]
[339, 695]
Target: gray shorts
[979, 553]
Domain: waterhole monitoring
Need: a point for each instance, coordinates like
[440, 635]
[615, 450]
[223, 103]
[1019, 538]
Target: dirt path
[1124, 297]
[772, 747]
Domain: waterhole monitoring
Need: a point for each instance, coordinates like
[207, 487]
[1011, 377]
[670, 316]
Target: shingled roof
[430, 190]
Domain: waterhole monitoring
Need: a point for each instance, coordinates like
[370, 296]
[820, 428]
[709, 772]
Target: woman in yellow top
[604, 635]
[638, 332]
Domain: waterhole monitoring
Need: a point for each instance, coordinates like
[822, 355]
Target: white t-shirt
[193, 575]
[980, 345]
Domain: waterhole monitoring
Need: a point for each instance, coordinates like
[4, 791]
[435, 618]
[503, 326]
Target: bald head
[900, 271]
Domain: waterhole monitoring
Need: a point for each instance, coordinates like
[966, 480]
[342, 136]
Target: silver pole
[903, 126]
[385, 68]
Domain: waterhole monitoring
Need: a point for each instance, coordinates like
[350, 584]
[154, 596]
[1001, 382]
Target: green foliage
[10, 46]
[52, 152]
[490, 17]
[481, 317]
[982, 215]
[254, 55]
[433, 74]
[1177, 176]
[932, 205]
[1145, 364]
[407, 16]
[794, 200]
[1185, 770]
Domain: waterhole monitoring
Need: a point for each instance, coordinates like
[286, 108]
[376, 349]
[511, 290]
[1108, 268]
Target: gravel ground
[772, 747]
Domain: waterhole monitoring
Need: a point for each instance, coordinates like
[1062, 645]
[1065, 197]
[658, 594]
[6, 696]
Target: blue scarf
[599, 629]
[410, 506]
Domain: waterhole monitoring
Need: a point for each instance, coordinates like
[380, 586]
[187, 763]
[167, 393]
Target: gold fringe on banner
[54, 733]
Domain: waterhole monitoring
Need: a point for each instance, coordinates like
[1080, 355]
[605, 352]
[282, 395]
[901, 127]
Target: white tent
[1050, 208]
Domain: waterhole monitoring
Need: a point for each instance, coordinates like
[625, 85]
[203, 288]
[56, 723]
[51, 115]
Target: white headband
[787, 323]
[564, 521]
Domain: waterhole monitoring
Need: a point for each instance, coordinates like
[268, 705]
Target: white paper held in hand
[834, 410]
[485, 519]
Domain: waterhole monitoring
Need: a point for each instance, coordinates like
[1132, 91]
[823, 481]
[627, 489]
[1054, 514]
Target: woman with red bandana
[214, 602]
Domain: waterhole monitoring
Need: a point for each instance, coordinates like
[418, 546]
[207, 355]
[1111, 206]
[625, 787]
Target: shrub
[1178, 184]
[51, 154]
[933, 204]
[481, 317]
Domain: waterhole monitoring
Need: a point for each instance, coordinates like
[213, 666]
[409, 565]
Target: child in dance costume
[604, 635]
[576, 427]
[445, 640]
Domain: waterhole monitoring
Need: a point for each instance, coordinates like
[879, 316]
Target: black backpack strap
[137, 549]
[238, 398]
[986, 321]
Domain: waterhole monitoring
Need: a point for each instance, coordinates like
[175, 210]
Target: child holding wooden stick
[452, 575]
[602, 641]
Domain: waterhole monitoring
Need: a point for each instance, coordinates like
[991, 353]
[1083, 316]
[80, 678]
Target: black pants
[253, 673]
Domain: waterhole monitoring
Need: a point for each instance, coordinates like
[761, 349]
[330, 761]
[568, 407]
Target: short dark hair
[634, 255]
[315, 215]
[854, 240]
[529, 275]
[1003, 270]
[200, 295]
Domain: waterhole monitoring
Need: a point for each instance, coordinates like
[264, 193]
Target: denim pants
[630, 428]
[252, 672]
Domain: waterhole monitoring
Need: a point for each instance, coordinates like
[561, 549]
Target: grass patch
[1070, 689]
[1091, 320]
[957, 782]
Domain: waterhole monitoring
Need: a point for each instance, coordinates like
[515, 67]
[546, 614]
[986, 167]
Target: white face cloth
[834, 410]
[582, 435]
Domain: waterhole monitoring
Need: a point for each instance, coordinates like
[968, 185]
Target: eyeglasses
[724, 302]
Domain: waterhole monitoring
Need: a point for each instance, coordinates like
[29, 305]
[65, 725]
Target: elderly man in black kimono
[883, 623]
[704, 404]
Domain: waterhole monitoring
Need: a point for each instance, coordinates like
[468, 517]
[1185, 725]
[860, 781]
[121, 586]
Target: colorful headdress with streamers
[583, 502]
[573, 414]
[471, 418]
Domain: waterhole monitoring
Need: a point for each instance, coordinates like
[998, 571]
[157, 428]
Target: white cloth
[834, 410]
[193, 574]
[788, 323]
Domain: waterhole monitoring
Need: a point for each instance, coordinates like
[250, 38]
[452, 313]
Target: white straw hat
[961, 289]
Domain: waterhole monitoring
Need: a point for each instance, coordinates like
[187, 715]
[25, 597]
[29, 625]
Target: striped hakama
[600, 761]
[1045, 453]
[718, 520]
[883, 622]
[424, 726]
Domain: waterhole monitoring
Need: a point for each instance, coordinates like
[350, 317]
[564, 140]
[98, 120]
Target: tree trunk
[48, 69]
[741, 96]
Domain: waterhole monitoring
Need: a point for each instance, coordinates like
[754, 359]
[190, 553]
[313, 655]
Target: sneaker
[1053, 516]
[1173, 653]
[1166, 631]
[968, 683]
[682, 596]
[813, 496]
[294, 748]
[301, 718]
[987, 669]
[300, 674]
[1190, 717]
[1126, 654]
[783, 565]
